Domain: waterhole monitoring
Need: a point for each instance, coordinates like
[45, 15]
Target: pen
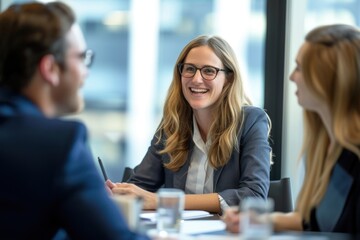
[102, 169]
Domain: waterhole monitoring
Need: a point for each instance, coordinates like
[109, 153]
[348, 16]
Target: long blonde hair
[176, 124]
[331, 70]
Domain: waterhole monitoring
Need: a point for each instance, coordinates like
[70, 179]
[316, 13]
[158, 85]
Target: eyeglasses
[88, 57]
[188, 70]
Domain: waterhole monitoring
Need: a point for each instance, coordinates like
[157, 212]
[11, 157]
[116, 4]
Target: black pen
[103, 169]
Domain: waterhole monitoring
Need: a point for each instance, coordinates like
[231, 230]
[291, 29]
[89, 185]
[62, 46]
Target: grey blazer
[246, 174]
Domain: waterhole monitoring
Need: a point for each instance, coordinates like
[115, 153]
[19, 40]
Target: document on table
[191, 229]
[239, 237]
[232, 236]
[187, 215]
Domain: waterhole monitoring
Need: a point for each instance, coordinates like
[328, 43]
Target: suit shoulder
[68, 124]
[255, 118]
[253, 112]
[57, 127]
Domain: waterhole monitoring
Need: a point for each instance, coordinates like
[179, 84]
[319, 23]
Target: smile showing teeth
[198, 90]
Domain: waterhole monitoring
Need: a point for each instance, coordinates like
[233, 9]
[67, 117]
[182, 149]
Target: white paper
[232, 236]
[187, 215]
[218, 237]
[201, 226]
[227, 236]
[193, 227]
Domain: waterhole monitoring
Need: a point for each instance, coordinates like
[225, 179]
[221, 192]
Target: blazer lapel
[330, 208]
[181, 175]
[217, 174]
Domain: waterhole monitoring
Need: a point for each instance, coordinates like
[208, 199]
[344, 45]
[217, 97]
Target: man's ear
[49, 69]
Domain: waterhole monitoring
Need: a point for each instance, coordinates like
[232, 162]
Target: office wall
[4, 4]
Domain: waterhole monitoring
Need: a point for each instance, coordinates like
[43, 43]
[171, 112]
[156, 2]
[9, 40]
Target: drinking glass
[255, 221]
[170, 206]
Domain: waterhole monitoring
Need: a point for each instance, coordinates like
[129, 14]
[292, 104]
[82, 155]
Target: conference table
[211, 227]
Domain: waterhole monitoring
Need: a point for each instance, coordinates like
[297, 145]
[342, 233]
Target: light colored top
[200, 173]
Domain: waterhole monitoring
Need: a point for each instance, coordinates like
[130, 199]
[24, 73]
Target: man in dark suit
[48, 180]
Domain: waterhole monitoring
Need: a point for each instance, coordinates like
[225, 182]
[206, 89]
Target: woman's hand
[149, 198]
[281, 221]
[109, 185]
[231, 218]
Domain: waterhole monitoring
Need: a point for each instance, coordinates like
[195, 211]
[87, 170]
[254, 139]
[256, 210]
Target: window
[332, 11]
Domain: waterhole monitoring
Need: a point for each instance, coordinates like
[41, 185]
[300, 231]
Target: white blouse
[200, 174]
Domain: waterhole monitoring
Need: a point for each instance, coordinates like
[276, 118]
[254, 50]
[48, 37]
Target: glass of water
[255, 221]
[170, 206]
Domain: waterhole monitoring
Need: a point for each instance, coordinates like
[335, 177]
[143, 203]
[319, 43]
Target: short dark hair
[28, 32]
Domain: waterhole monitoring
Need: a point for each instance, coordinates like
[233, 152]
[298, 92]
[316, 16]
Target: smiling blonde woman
[211, 142]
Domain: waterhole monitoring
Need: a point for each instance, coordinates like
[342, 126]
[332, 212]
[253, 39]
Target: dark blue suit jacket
[48, 180]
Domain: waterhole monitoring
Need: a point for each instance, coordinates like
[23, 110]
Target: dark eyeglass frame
[217, 70]
[88, 57]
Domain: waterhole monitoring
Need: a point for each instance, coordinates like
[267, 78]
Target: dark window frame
[274, 77]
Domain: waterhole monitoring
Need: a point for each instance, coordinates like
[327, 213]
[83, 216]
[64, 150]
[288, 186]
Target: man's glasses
[188, 70]
[88, 57]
